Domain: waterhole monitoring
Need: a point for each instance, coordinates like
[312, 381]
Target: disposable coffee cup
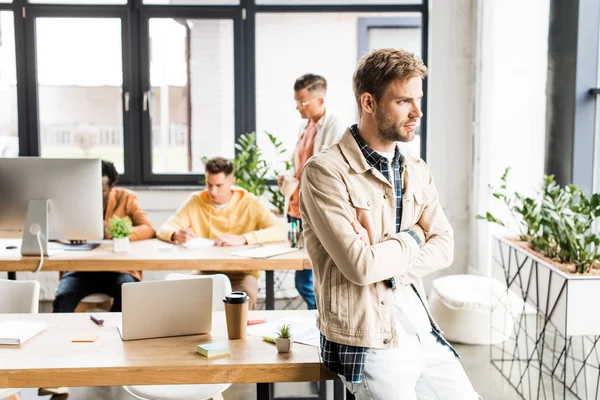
[236, 313]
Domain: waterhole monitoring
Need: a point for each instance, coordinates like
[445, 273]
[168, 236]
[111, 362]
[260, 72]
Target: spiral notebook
[17, 332]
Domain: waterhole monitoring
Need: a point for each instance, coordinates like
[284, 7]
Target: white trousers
[421, 368]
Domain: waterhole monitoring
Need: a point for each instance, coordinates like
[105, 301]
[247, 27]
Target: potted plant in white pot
[284, 339]
[553, 264]
[120, 229]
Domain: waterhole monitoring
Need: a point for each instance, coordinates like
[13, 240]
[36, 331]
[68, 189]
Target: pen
[255, 321]
[97, 321]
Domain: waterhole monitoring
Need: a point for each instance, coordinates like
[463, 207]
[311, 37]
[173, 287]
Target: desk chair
[221, 286]
[95, 302]
[20, 297]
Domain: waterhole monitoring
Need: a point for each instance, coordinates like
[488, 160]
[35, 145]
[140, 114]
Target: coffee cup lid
[236, 298]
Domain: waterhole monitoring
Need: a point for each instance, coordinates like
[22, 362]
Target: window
[191, 60]
[402, 32]
[285, 49]
[9, 139]
[158, 85]
[80, 93]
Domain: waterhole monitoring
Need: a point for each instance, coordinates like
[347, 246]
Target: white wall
[451, 101]
[510, 109]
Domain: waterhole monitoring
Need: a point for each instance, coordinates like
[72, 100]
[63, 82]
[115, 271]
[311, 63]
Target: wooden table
[50, 359]
[154, 254]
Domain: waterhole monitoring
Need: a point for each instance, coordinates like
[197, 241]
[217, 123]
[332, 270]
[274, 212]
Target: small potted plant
[120, 229]
[284, 339]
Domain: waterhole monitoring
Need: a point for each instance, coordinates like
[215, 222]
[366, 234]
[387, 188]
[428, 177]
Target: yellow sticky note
[85, 338]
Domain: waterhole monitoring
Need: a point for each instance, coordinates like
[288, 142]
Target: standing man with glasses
[373, 227]
[321, 130]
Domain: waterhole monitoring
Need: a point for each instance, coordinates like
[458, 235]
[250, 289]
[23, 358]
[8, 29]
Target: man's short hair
[219, 164]
[109, 171]
[376, 70]
[311, 82]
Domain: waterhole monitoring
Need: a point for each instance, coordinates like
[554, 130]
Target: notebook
[264, 251]
[213, 349]
[17, 332]
[198, 243]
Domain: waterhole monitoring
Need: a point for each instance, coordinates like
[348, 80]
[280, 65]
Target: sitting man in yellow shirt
[227, 214]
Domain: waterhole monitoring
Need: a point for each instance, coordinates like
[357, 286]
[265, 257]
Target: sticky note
[85, 338]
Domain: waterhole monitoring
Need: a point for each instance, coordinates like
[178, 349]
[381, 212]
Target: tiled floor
[485, 378]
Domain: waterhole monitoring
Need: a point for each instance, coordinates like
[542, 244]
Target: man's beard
[387, 130]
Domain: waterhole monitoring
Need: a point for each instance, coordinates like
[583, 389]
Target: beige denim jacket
[355, 307]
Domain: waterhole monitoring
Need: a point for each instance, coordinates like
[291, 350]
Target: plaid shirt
[346, 360]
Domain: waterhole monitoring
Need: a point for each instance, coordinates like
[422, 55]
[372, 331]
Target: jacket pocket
[418, 205]
[365, 213]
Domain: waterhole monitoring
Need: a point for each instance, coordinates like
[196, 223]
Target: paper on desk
[304, 330]
[265, 251]
[198, 243]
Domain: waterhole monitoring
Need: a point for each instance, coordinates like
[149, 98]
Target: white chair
[221, 287]
[21, 297]
[95, 302]
[466, 306]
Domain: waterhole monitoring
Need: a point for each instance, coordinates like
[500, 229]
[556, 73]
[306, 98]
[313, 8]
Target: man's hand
[230, 240]
[419, 231]
[182, 235]
[362, 232]
[280, 181]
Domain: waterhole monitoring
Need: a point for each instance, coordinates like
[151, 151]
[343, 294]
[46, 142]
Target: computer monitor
[45, 199]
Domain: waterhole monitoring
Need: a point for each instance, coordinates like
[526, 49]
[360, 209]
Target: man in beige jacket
[373, 227]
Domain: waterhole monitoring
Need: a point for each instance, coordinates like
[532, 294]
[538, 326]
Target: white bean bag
[461, 305]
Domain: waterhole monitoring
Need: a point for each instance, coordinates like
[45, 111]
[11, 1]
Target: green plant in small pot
[120, 229]
[284, 339]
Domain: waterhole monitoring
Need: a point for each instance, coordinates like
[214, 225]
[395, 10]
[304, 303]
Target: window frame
[135, 18]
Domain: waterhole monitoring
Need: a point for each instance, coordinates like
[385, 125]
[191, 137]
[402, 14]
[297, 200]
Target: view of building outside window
[191, 101]
[196, 119]
[285, 50]
[9, 139]
[80, 78]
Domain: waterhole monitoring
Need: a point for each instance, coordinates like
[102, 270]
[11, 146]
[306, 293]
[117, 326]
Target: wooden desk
[50, 359]
[154, 254]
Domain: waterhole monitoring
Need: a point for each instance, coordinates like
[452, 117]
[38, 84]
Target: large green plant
[557, 222]
[251, 170]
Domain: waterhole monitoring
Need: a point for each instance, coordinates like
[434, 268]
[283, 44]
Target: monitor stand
[36, 221]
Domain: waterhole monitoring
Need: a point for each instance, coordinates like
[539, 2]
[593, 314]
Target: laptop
[157, 309]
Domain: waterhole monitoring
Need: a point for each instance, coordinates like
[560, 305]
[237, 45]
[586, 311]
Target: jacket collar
[351, 151]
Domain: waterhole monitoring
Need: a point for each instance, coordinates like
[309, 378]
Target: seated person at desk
[227, 214]
[74, 286]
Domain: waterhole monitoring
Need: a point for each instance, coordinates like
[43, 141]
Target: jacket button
[369, 203]
[386, 235]
[385, 196]
[386, 341]
[383, 302]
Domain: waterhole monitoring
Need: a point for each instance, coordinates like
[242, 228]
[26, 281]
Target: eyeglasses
[303, 103]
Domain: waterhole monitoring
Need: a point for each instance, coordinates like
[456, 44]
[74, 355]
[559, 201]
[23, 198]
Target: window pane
[80, 78]
[193, 2]
[341, 2]
[192, 101]
[9, 137]
[77, 1]
[285, 50]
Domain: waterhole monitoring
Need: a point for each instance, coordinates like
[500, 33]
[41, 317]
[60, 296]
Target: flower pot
[121, 245]
[284, 345]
